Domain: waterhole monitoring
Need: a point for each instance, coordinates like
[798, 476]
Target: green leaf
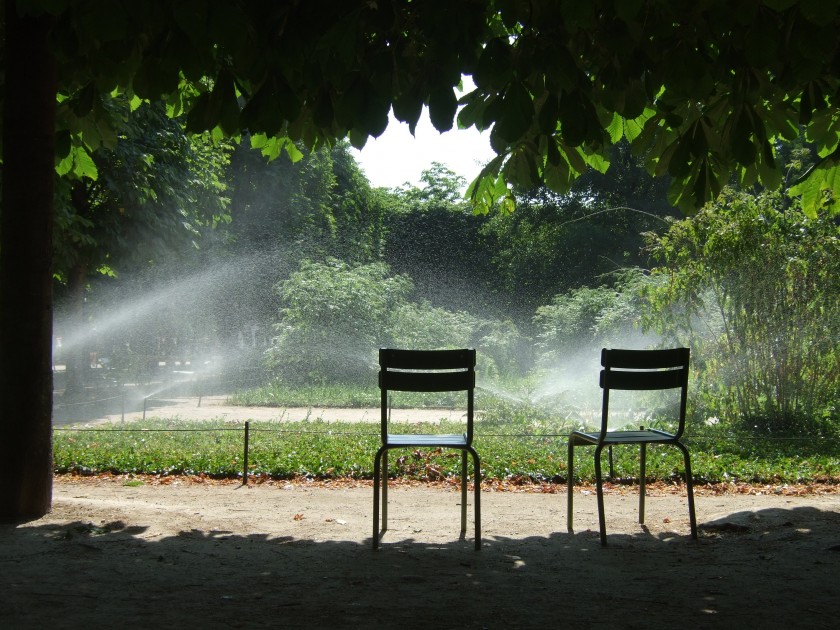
[442, 108]
[548, 114]
[258, 140]
[558, 177]
[471, 112]
[509, 203]
[824, 130]
[357, 138]
[635, 100]
[679, 164]
[83, 164]
[820, 190]
[260, 113]
[574, 119]
[575, 158]
[487, 187]
[407, 108]
[224, 107]
[615, 128]
[134, 103]
[62, 144]
[517, 113]
[269, 147]
[521, 169]
[495, 66]
[64, 165]
[198, 117]
[634, 128]
[781, 119]
[292, 151]
[598, 162]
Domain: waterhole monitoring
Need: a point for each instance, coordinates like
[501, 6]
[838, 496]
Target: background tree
[333, 318]
[433, 236]
[752, 286]
[284, 212]
[154, 190]
[555, 243]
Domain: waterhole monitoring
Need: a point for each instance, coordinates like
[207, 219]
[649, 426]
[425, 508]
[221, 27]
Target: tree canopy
[703, 89]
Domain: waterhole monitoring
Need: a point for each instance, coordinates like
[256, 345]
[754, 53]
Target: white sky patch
[397, 157]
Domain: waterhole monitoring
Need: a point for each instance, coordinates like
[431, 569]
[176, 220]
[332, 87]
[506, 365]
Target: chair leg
[477, 500]
[376, 472]
[599, 484]
[463, 492]
[385, 490]
[570, 485]
[689, 483]
[642, 476]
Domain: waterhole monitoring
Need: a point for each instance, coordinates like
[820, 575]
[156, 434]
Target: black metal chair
[426, 371]
[635, 370]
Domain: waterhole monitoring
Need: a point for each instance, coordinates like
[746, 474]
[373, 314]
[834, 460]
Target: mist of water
[209, 328]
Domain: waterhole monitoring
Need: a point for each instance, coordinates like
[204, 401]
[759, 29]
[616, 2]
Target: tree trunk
[25, 268]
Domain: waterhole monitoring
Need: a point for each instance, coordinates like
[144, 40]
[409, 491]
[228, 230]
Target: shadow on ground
[774, 568]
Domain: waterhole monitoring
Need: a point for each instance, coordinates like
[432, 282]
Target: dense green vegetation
[281, 260]
[515, 450]
[749, 283]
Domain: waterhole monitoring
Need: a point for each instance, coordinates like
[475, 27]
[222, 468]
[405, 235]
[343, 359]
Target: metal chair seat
[443, 440]
[651, 436]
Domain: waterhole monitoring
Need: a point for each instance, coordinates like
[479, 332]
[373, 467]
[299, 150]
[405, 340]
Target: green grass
[529, 453]
[523, 442]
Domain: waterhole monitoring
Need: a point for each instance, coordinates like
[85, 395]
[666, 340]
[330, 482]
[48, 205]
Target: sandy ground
[184, 553]
[215, 407]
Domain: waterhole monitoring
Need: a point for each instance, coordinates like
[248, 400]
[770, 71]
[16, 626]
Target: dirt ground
[190, 553]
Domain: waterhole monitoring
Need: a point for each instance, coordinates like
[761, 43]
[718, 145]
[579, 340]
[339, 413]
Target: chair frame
[637, 370]
[426, 371]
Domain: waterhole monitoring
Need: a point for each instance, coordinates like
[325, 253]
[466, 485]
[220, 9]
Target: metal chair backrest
[427, 371]
[639, 370]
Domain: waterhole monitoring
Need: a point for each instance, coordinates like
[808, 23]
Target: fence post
[245, 457]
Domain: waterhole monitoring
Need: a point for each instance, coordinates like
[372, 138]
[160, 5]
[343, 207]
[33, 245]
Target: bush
[333, 318]
[752, 284]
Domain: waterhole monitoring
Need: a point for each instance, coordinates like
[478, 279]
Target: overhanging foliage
[703, 88]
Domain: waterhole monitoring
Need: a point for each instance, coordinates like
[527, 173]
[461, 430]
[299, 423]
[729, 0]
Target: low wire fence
[121, 399]
[318, 448]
